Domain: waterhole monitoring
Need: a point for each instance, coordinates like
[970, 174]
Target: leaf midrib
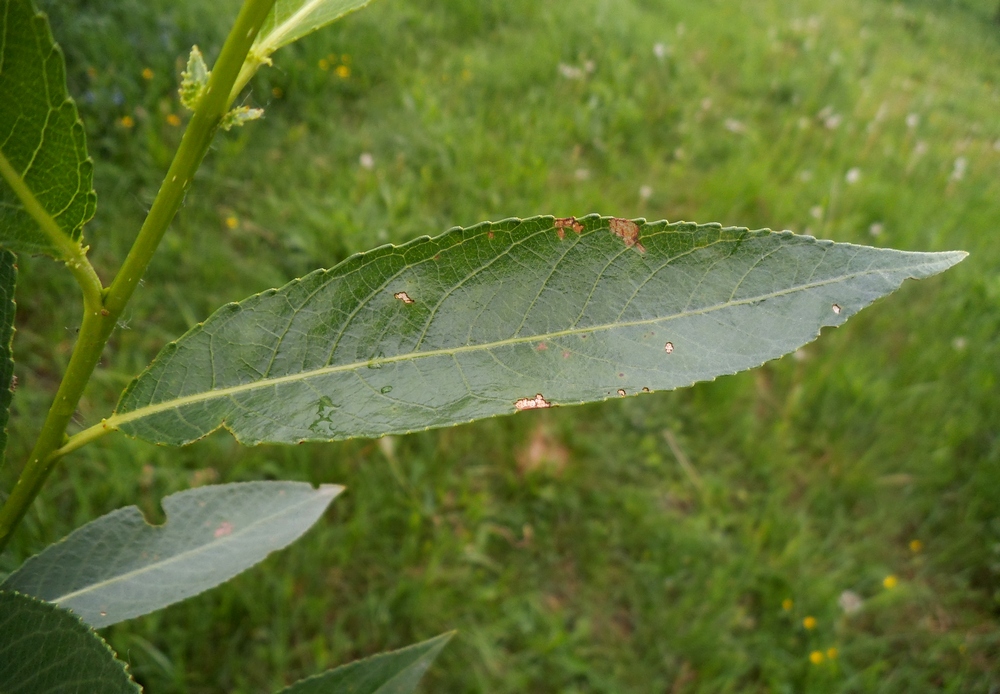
[116, 420]
[283, 29]
[324, 489]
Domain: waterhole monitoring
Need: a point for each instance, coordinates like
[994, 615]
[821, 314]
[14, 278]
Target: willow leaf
[290, 20]
[8, 278]
[47, 650]
[502, 317]
[43, 151]
[395, 672]
[118, 566]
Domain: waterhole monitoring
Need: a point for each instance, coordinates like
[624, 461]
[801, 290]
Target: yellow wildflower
[174, 120]
[127, 121]
[232, 222]
[816, 657]
[787, 604]
[343, 72]
[147, 74]
[890, 581]
[832, 653]
[809, 622]
[916, 546]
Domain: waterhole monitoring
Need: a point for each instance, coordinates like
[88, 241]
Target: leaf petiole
[73, 253]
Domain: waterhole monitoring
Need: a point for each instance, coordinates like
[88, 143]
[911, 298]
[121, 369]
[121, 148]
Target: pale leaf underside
[119, 566]
[501, 317]
[40, 133]
[290, 20]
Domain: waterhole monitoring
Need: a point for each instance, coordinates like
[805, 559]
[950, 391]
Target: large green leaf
[118, 566]
[41, 135]
[290, 20]
[396, 672]
[47, 650]
[502, 317]
[8, 278]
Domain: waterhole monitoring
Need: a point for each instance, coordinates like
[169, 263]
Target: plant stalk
[99, 322]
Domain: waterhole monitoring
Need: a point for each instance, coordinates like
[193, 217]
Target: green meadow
[829, 522]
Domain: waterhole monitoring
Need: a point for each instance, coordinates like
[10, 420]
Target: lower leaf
[47, 650]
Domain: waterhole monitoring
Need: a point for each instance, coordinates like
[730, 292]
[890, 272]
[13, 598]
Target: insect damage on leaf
[563, 223]
[225, 528]
[669, 348]
[627, 231]
[535, 403]
[404, 297]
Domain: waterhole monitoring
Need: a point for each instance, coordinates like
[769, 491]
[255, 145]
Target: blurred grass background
[572, 548]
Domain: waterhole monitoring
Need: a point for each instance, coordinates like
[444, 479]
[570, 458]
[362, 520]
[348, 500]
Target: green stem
[98, 323]
[71, 251]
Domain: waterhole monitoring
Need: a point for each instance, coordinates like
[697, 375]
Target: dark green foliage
[40, 133]
[46, 650]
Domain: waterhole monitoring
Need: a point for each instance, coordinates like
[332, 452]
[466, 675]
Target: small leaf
[47, 650]
[395, 672]
[290, 20]
[118, 566]
[502, 317]
[41, 135]
[8, 278]
[239, 116]
[194, 80]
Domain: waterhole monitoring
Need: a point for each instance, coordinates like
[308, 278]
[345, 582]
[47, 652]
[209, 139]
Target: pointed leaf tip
[505, 317]
[118, 566]
[394, 672]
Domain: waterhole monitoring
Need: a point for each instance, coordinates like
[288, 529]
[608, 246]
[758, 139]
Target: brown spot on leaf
[645, 390]
[561, 233]
[535, 403]
[225, 528]
[668, 348]
[621, 392]
[404, 297]
[836, 309]
[627, 231]
[566, 354]
[567, 223]
[542, 347]
[489, 234]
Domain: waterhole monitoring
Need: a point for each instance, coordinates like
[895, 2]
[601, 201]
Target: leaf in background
[395, 672]
[290, 20]
[47, 650]
[118, 566]
[502, 317]
[8, 278]
[41, 135]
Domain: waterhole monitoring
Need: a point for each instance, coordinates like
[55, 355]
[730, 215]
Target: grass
[571, 549]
